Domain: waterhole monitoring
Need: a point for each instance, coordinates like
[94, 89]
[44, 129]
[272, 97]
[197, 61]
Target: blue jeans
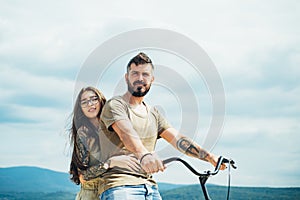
[132, 192]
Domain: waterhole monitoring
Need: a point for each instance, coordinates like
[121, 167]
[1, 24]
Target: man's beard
[138, 92]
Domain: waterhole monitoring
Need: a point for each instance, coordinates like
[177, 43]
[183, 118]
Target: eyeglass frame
[93, 101]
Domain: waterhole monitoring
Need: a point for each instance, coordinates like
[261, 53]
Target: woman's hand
[81, 179]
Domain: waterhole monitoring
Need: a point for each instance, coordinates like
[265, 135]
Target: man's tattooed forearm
[187, 146]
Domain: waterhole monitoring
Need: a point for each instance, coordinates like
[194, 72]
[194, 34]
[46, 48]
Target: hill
[35, 183]
[194, 192]
[34, 179]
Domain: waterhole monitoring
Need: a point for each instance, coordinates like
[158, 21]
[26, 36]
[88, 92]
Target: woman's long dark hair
[79, 120]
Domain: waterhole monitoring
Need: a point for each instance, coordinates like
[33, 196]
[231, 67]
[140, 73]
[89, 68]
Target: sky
[255, 48]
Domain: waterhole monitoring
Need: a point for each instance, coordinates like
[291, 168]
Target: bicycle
[203, 177]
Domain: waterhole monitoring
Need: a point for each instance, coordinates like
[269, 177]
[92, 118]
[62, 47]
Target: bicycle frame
[203, 177]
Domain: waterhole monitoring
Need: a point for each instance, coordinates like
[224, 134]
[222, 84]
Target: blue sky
[253, 44]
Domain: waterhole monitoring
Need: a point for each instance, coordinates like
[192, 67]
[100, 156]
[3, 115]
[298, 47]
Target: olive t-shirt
[148, 127]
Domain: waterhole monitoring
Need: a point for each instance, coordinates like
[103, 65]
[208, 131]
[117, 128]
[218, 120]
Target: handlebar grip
[225, 160]
[166, 161]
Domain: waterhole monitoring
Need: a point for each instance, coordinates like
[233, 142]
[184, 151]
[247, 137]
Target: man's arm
[129, 137]
[131, 140]
[188, 147]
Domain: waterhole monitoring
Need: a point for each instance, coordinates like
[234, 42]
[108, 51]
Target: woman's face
[90, 104]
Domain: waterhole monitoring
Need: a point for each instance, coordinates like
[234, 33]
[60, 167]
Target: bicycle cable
[228, 190]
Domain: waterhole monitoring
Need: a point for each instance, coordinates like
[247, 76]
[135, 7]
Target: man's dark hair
[139, 59]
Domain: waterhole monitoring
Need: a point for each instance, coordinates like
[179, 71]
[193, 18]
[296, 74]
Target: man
[130, 126]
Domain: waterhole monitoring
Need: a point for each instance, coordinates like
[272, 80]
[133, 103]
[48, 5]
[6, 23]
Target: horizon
[181, 184]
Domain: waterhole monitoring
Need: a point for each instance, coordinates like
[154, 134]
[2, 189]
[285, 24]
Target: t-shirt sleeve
[162, 123]
[113, 110]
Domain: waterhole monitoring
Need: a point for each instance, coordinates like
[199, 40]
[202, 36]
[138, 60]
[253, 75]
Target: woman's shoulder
[82, 131]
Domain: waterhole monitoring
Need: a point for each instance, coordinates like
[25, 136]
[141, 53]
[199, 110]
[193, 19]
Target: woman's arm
[122, 161]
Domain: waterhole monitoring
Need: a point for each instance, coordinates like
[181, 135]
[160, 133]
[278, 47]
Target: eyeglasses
[93, 101]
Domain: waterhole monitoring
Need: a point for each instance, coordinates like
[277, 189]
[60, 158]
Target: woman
[86, 165]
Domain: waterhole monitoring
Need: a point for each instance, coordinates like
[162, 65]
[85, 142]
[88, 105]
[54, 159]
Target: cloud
[36, 144]
[253, 44]
[259, 102]
[19, 85]
[260, 146]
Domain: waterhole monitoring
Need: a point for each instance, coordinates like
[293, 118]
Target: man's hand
[151, 163]
[214, 160]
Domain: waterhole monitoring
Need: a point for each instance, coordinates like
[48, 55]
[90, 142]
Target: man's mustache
[139, 82]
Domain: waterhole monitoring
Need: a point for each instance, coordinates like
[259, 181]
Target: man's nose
[140, 77]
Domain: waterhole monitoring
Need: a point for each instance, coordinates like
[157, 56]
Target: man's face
[139, 79]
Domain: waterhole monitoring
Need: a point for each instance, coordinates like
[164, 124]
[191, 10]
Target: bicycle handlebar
[221, 160]
[205, 175]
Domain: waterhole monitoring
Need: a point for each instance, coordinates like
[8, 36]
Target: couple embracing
[114, 141]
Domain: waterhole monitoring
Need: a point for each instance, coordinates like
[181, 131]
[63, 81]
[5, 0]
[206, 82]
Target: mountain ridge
[29, 182]
[38, 179]
[34, 179]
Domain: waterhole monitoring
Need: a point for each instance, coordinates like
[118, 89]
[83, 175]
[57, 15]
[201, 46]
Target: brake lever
[229, 161]
[232, 163]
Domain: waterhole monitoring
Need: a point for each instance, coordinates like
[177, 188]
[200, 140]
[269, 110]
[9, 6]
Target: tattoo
[188, 147]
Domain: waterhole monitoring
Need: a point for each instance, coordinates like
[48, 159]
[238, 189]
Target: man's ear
[152, 79]
[126, 77]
